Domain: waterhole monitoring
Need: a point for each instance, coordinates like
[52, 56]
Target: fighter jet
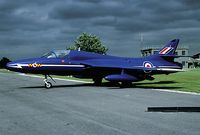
[81, 64]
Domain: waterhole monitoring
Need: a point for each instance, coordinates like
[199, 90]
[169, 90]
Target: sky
[30, 28]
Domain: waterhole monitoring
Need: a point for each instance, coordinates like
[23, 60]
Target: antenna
[141, 40]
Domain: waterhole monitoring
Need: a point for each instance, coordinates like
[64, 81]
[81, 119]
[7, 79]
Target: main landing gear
[126, 84]
[47, 84]
[97, 81]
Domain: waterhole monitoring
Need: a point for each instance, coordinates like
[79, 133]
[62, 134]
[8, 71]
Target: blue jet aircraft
[83, 64]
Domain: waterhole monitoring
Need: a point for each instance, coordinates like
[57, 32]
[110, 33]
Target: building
[181, 51]
[194, 61]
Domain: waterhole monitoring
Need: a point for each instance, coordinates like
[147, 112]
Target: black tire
[97, 81]
[48, 85]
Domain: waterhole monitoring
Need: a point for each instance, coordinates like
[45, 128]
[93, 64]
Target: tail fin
[169, 49]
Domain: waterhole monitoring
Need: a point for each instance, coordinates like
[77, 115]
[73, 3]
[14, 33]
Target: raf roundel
[148, 65]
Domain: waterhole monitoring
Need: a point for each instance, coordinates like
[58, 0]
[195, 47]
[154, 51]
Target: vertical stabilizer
[169, 49]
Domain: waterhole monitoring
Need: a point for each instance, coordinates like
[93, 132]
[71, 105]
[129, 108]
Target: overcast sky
[29, 28]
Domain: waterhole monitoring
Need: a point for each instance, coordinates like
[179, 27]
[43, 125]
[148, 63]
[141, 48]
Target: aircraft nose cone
[13, 66]
[22, 65]
[8, 65]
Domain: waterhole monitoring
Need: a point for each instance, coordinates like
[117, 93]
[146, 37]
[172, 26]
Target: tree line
[90, 43]
[3, 62]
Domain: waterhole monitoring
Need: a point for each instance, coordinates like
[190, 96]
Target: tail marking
[166, 50]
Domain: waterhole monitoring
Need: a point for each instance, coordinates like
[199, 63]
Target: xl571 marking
[82, 64]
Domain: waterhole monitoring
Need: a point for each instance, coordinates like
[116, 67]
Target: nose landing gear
[47, 84]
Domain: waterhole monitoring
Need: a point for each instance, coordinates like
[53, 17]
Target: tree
[89, 43]
[3, 62]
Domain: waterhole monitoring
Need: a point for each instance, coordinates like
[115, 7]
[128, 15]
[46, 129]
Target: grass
[72, 78]
[5, 71]
[188, 81]
[54, 76]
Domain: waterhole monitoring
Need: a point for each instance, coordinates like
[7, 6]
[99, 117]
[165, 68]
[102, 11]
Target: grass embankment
[183, 81]
[54, 76]
[5, 71]
[72, 78]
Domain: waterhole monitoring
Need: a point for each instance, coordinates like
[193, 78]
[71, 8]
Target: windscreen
[56, 54]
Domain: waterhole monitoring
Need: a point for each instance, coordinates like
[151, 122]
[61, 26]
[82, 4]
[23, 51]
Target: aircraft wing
[107, 64]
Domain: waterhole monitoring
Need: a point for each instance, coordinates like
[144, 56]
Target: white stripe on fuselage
[44, 65]
[56, 65]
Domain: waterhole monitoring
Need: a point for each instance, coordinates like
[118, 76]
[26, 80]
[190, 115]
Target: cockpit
[57, 54]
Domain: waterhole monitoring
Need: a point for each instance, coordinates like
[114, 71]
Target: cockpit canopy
[57, 54]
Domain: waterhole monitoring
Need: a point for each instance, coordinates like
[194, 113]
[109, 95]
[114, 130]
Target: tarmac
[75, 108]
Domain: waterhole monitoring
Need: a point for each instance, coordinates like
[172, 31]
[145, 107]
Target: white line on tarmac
[179, 92]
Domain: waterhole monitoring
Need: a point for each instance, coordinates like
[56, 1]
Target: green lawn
[5, 71]
[72, 78]
[182, 81]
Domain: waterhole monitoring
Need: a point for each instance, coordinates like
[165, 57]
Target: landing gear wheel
[97, 81]
[48, 85]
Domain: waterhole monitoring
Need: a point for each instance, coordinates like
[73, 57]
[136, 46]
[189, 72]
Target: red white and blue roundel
[166, 50]
[148, 64]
